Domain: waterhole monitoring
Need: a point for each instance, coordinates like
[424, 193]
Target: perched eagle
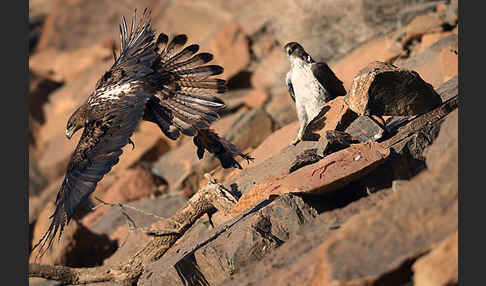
[158, 81]
[310, 84]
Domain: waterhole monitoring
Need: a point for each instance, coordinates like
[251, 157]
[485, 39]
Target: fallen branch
[127, 273]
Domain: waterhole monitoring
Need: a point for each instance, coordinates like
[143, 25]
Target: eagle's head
[295, 52]
[75, 122]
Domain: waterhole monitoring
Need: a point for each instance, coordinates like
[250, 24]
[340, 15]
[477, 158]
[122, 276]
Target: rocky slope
[358, 204]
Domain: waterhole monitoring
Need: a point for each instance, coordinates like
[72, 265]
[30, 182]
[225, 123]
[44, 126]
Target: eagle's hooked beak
[69, 133]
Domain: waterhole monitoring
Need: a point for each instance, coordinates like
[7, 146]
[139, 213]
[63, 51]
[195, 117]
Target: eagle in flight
[157, 80]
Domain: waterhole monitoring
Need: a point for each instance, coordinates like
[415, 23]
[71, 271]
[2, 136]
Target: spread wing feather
[97, 152]
[187, 92]
[137, 52]
[188, 101]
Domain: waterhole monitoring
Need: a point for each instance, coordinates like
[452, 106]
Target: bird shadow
[316, 124]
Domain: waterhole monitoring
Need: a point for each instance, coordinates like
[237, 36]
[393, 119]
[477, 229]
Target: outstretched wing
[137, 52]
[97, 152]
[188, 93]
[187, 101]
[290, 87]
[328, 80]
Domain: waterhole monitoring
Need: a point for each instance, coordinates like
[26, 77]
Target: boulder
[384, 89]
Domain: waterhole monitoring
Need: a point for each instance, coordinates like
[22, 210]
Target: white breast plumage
[309, 93]
[306, 86]
[111, 93]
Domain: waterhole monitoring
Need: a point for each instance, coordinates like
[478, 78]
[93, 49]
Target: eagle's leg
[131, 142]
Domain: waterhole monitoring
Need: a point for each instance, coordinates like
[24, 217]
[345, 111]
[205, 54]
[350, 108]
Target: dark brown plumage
[158, 81]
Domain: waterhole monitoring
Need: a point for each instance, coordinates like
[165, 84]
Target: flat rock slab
[365, 129]
[211, 258]
[329, 174]
[384, 89]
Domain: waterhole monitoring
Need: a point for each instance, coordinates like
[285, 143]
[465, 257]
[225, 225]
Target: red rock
[271, 71]
[133, 184]
[40, 87]
[146, 137]
[65, 100]
[432, 65]
[230, 49]
[37, 180]
[76, 24]
[430, 39]
[129, 242]
[450, 65]
[274, 143]
[128, 185]
[77, 247]
[256, 98]
[65, 66]
[199, 22]
[423, 24]
[281, 106]
[445, 141]
[329, 174]
[440, 266]
[383, 49]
